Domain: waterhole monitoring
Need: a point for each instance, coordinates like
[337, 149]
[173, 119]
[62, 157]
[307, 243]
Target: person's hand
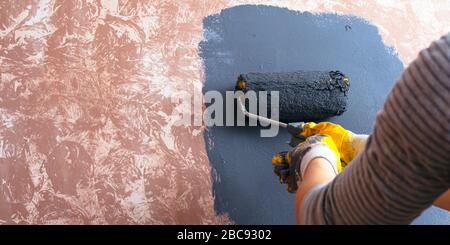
[290, 166]
[347, 142]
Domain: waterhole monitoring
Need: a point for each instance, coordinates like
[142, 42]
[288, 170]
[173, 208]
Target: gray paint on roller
[303, 95]
[253, 38]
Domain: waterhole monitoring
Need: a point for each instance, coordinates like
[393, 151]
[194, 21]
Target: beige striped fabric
[405, 164]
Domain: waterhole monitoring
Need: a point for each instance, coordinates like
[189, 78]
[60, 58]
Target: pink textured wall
[88, 132]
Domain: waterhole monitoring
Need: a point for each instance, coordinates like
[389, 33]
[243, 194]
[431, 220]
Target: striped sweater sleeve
[405, 164]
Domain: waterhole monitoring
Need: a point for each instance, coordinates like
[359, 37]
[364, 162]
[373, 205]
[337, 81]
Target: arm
[359, 142]
[405, 165]
[318, 172]
[444, 201]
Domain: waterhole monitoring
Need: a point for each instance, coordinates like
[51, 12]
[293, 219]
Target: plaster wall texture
[88, 130]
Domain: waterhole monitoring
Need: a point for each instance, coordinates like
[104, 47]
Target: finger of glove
[279, 158]
[322, 128]
[284, 174]
[308, 129]
[291, 184]
[280, 171]
[277, 172]
[281, 174]
[297, 154]
[281, 167]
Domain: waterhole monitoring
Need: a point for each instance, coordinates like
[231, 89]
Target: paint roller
[303, 96]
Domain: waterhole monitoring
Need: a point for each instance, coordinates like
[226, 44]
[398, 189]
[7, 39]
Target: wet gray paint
[259, 38]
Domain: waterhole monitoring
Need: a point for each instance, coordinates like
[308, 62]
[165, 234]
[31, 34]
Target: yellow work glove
[290, 166]
[347, 142]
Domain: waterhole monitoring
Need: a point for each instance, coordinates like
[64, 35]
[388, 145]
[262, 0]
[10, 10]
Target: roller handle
[294, 129]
